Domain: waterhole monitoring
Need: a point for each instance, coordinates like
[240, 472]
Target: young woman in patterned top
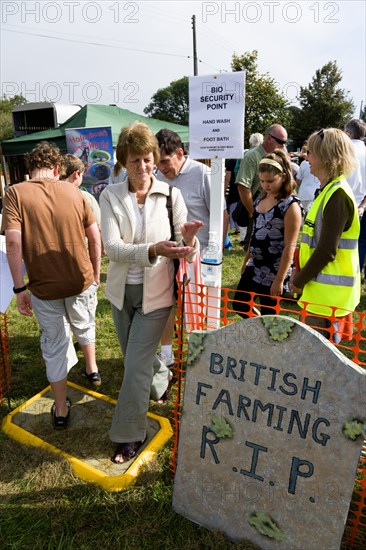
[276, 223]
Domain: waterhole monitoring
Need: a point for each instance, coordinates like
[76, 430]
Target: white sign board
[216, 116]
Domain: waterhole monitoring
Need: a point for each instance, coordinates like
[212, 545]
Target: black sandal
[127, 451]
[94, 378]
[60, 422]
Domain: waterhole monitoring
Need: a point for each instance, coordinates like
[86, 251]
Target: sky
[115, 52]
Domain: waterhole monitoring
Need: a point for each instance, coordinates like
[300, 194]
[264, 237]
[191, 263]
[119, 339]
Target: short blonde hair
[334, 150]
[136, 139]
[69, 165]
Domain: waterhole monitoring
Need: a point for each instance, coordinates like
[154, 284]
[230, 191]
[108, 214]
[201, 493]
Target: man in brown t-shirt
[45, 223]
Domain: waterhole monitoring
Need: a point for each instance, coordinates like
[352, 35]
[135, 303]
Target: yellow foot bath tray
[85, 443]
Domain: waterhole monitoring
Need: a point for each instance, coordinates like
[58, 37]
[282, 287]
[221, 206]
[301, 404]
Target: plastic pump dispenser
[211, 260]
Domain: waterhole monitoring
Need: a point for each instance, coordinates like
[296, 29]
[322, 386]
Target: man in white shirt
[191, 177]
[356, 130]
[308, 184]
[193, 180]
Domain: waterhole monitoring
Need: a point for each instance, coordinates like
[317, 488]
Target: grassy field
[44, 506]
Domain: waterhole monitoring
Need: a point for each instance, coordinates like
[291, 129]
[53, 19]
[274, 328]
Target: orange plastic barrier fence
[4, 358]
[355, 530]
[347, 333]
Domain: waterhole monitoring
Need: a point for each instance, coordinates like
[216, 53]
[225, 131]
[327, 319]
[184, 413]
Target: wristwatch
[20, 289]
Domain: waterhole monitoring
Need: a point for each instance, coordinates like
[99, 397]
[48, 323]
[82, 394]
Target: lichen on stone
[196, 346]
[354, 429]
[266, 526]
[277, 328]
[221, 427]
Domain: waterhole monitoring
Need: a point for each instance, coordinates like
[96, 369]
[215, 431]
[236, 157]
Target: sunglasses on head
[278, 140]
[321, 134]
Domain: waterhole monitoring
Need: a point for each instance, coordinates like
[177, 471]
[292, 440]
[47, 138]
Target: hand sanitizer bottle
[211, 260]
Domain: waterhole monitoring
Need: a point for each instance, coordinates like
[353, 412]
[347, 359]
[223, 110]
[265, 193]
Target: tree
[264, 104]
[170, 103]
[323, 104]
[363, 113]
[6, 121]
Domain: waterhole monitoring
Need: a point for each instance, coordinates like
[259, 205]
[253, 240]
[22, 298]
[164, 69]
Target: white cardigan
[118, 230]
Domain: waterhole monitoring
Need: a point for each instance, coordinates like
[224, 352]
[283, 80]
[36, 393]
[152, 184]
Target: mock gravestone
[268, 445]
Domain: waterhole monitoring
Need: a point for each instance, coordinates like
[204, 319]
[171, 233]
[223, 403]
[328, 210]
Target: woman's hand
[297, 291]
[294, 288]
[189, 231]
[276, 288]
[169, 249]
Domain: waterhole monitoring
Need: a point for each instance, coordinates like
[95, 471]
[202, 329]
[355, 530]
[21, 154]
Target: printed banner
[94, 147]
[216, 116]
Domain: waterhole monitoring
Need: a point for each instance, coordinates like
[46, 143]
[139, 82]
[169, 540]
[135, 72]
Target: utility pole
[195, 68]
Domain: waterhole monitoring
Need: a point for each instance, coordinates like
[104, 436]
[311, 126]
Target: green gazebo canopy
[89, 116]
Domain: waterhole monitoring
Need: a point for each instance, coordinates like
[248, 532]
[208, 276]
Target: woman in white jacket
[136, 233]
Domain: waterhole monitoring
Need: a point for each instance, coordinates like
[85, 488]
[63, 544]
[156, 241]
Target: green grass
[44, 506]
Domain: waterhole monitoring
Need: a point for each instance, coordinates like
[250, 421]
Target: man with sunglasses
[247, 179]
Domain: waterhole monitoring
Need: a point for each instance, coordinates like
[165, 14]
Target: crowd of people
[155, 212]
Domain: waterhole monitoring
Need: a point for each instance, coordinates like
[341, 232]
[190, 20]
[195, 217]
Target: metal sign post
[213, 283]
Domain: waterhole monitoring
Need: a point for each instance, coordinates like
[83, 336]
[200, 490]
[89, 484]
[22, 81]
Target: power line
[211, 67]
[93, 43]
[217, 38]
[155, 13]
[38, 35]
[88, 37]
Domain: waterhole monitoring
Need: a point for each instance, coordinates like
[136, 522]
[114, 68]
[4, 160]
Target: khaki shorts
[59, 320]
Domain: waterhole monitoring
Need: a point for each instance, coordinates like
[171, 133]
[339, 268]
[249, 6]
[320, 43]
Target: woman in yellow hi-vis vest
[329, 276]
